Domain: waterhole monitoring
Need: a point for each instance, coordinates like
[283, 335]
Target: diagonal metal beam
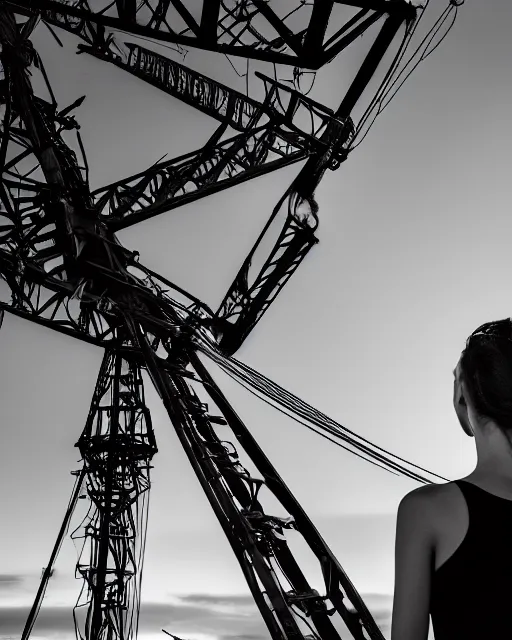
[185, 14]
[371, 62]
[211, 35]
[127, 10]
[385, 6]
[167, 185]
[218, 165]
[314, 38]
[209, 20]
[213, 98]
[332, 51]
[291, 39]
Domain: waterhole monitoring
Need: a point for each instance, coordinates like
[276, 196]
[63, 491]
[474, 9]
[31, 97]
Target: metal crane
[66, 270]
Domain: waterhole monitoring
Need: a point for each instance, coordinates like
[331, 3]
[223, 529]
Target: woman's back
[453, 547]
[471, 589]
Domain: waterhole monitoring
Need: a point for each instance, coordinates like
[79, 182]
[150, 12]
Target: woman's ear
[462, 410]
[462, 398]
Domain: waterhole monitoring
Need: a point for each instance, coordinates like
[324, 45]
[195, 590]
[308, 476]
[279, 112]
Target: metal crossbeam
[227, 31]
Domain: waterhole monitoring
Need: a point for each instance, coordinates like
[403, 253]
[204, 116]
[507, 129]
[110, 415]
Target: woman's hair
[486, 367]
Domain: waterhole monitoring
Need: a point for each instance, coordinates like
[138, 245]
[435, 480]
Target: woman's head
[486, 375]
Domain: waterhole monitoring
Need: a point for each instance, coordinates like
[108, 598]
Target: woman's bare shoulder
[442, 504]
[423, 505]
[430, 493]
[431, 506]
[436, 499]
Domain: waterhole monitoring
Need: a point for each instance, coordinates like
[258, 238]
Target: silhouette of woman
[453, 545]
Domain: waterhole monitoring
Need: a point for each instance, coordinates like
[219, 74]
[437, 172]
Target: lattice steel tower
[66, 270]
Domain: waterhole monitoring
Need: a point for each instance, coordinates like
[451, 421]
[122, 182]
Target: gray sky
[414, 254]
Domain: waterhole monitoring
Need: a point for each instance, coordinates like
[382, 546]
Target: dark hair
[486, 367]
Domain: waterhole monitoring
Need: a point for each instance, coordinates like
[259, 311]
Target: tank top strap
[470, 490]
[481, 503]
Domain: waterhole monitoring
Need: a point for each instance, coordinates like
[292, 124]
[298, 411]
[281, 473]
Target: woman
[453, 548]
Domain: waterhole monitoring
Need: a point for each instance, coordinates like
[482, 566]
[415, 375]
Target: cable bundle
[305, 414]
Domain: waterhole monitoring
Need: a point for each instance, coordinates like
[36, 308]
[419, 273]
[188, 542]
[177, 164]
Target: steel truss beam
[66, 269]
[257, 539]
[246, 300]
[117, 446]
[233, 31]
[271, 137]
[157, 190]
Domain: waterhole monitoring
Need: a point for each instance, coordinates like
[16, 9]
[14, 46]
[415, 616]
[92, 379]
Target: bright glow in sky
[414, 254]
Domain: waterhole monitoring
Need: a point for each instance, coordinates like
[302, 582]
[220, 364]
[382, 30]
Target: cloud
[234, 605]
[54, 620]
[204, 598]
[224, 617]
[242, 636]
[19, 590]
[180, 619]
[9, 583]
[9, 579]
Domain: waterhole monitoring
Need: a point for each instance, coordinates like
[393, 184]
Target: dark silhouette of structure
[66, 270]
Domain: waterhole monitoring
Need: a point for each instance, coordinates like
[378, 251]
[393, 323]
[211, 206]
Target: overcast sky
[414, 254]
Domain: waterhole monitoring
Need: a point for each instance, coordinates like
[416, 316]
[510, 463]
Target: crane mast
[66, 269]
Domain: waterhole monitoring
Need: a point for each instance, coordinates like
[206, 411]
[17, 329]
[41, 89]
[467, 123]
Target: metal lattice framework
[65, 269]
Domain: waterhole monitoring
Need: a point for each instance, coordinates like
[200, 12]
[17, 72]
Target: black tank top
[471, 596]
